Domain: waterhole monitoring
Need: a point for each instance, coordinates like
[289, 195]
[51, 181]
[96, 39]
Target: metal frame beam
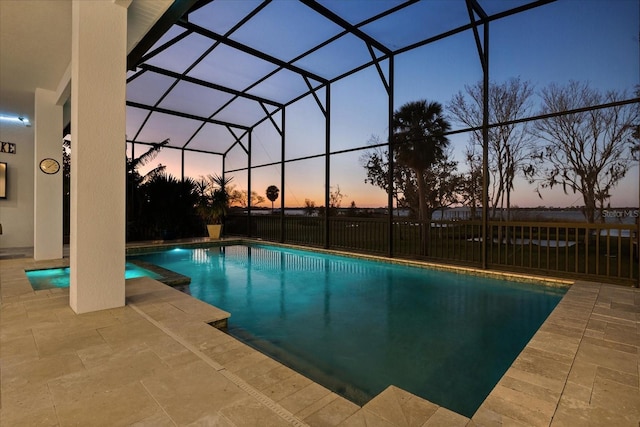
[349, 29]
[327, 166]
[282, 176]
[151, 144]
[315, 96]
[238, 140]
[249, 50]
[352, 29]
[165, 46]
[176, 11]
[249, 185]
[270, 117]
[391, 171]
[209, 85]
[154, 109]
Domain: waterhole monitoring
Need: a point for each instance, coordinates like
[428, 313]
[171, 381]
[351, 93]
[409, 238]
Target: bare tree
[470, 186]
[445, 183]
[240, 198]
[335, 197]
[335, 201]
[586, 152]
[376, 163]
[310, 207]
[510, 144]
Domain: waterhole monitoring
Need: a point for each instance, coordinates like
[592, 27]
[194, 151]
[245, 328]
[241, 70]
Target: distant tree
[419, 143]
[272, 194]
[239, 198]
[510, 145]
[135, 163]
[404, 187]
[424, 174]
[376, 163]
[256, 199]
[309, 207]
[586, 152]
[470, 188]
[445, 183]
[335, 199]
[236, 197]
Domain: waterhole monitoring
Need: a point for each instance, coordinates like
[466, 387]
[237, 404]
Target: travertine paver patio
[158, 362]
[580, 368]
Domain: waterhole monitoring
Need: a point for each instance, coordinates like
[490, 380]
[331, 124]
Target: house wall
[16, 211]
[47, 242]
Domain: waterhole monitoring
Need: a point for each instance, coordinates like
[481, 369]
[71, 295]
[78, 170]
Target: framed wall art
[3, 180]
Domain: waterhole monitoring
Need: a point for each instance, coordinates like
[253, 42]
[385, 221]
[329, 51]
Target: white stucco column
[47, 227]
[98, 85]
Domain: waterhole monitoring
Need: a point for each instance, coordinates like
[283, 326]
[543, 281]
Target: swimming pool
[357, 326]
[59, 277]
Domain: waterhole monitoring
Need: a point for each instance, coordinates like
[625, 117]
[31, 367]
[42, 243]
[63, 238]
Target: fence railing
[571, 249]
[589, 250]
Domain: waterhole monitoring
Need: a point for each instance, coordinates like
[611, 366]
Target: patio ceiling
[227, 66]
[35, 45]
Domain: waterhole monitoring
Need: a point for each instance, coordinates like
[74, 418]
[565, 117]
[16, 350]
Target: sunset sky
[595, 41]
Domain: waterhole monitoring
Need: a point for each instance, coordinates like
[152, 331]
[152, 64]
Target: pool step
[168, 277]
[141, 290]
[398, 407]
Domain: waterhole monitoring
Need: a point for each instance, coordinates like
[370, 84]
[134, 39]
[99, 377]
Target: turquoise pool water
[358, 326]
[59, 277]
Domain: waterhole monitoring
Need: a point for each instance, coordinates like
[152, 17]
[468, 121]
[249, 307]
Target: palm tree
[419, 143]
[169, 207]
[213, 197]
[135, 181]
[272, 194]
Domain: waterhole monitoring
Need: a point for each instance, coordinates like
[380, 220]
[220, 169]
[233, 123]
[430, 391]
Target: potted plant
[213, 202]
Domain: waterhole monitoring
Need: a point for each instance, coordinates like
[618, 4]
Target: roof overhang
[35, 45]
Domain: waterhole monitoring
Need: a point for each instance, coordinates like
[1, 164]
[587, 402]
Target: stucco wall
[47, 242]
[16, 211]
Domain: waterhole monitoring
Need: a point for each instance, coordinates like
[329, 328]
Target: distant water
[612, 216]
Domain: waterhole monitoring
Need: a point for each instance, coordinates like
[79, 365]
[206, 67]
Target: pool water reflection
[357, 326]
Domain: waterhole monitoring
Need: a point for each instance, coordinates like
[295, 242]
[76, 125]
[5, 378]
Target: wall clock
[49, 166]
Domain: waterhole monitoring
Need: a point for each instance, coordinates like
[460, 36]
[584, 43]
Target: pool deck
[158, 362]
